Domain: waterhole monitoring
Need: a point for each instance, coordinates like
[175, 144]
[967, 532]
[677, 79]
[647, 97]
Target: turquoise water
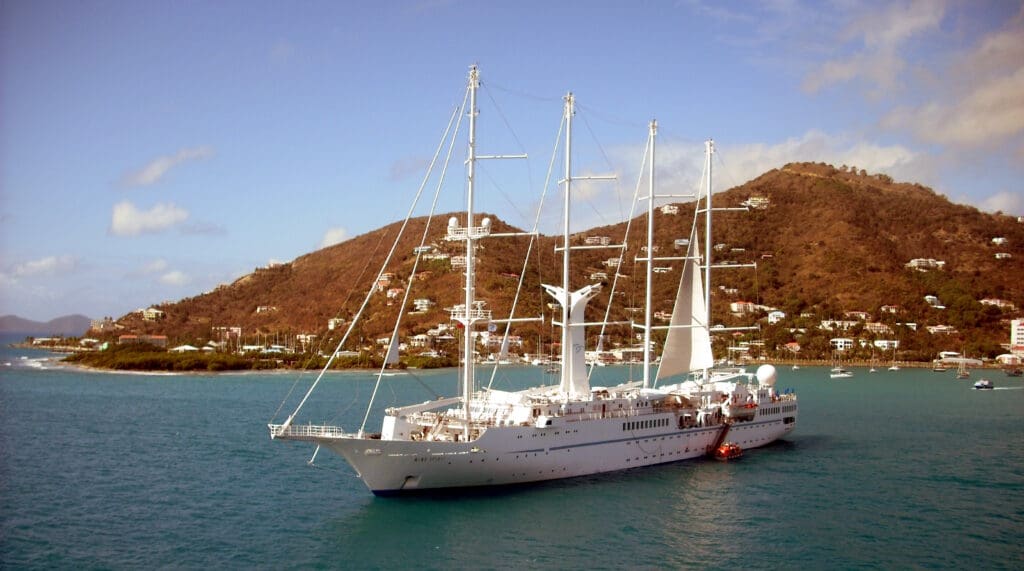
[887, 470]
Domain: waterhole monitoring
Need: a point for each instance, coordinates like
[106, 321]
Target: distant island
[68, 326]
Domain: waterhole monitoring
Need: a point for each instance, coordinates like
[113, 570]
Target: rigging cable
[529, 248]
[384, 266]
[415, 265]
[622, 251]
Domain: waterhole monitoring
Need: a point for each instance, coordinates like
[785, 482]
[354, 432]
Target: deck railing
[305, 431]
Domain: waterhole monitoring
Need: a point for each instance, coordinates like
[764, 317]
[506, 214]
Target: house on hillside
[597, 240]
[153, 314]
[1000, 303]
[841, 343]
[878, 328]
[670, 209]
[835, 324]
[925, 264]
[776, 316]
[742, 307]
[934, 302]
[887, 344]
[756, 202]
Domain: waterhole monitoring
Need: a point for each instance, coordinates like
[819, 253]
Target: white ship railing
[460, 314]
[308, 431]
[476, 232]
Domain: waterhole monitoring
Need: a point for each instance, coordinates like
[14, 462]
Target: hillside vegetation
[830, 241]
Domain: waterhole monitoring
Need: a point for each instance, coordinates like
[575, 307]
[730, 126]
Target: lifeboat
[728, 451]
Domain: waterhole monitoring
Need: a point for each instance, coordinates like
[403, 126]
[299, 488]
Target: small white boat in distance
[840, 373]
[984, 384]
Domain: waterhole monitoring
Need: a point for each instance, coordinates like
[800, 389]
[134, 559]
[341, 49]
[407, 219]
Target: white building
[1000, 303]
[776, 316]
[670, 209]
[887, 344]
[925, 264]
[841, 343]
[1017, 336]
[742, 307]
[834, 324]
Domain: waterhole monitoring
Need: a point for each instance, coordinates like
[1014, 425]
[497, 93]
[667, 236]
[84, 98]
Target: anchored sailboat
[492, 437]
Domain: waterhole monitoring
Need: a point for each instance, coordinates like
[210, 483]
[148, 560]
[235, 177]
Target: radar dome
[766, 376]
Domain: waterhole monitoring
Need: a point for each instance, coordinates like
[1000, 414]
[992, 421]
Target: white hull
[520, 455]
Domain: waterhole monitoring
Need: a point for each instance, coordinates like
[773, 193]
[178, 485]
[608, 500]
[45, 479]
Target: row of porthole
[644, 424]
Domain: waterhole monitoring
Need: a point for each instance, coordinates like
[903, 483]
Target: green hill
[829, 241]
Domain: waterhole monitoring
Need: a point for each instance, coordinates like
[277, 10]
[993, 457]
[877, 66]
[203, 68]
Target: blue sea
[892, 470]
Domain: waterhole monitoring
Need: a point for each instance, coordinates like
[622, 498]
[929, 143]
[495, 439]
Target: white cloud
[334, 236]
[680, 168]
[153, 171]
[981, 101]
[1007, 202]
[174, 278]
[127, 220]
[155, 266]
[882, 35]
[48, 266]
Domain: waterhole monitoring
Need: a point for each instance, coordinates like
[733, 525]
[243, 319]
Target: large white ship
[681, 409]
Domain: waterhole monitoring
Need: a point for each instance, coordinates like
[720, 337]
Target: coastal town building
[878, 328]
[153, 314]
[597, 240]
[886, 344]
[742, 307]
[836, 324]
[841, 343]
[1017, 337]
[335, 323]
[925, 264]
[756, 202]
[1000, 303]
[670, 209]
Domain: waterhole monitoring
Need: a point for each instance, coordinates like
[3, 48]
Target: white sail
[688, 344]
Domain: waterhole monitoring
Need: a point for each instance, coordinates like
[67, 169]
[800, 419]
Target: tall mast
[467, 382]
[650, 259]
[709, 149]
[570, 110]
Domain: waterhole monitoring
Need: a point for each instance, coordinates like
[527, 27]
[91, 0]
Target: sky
[150, 151]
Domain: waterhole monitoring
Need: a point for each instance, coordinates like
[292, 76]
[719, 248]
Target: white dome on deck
[766, 375]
